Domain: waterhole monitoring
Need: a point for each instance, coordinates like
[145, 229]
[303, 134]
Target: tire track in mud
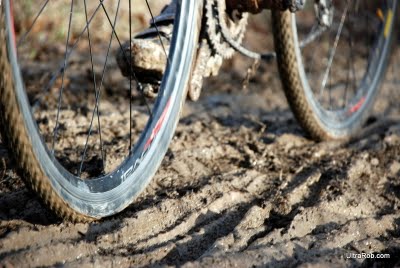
[240, 186]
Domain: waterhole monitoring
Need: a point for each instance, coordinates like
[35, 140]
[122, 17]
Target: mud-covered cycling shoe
[146, 54]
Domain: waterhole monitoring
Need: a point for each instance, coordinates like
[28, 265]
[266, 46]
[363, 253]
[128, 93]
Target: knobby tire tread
[290, 77]
[15, 138]
[291, 81]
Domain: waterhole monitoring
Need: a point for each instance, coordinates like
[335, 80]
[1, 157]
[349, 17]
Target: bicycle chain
[216, 18]
[224, 36]
[213, 48]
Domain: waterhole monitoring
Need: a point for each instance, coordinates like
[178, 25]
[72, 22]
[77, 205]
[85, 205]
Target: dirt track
[240, 186]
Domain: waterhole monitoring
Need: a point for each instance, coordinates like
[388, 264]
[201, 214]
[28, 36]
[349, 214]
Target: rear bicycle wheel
[331, 74]
[86, 140]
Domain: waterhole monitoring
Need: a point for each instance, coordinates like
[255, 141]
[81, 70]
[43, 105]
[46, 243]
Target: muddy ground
[241, 185]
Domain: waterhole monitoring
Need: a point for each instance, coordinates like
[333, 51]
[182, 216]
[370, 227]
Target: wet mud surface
[241, 185]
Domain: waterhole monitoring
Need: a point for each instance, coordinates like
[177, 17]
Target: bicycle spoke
[22, 39]
[158, 32]
[313, 55]
[96, 92]
[350, 62]
[351, 74]
[316, 32]
[140, 86]
[61, 69]
[55, 132]
[99, 90]
[333, 51]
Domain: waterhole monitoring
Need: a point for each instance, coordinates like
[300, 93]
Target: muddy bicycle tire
[345, 119]
[67, 195]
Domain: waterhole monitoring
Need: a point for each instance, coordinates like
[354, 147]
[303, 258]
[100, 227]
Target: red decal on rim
[12, 25]
[158, 126]
[357, 106]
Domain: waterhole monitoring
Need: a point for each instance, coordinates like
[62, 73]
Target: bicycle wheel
[332, 62]
[87, 140]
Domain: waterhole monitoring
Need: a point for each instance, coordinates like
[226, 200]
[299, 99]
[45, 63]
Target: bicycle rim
[66, 179]
[336, 74]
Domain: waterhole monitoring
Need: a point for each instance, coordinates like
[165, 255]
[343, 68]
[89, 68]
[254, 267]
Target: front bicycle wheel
[87, 140]
[332, 57]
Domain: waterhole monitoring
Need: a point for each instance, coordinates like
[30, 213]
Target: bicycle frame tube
[256, 6]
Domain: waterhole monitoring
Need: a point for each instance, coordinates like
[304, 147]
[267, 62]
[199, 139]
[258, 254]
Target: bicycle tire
[67, 195]
[319, 122]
